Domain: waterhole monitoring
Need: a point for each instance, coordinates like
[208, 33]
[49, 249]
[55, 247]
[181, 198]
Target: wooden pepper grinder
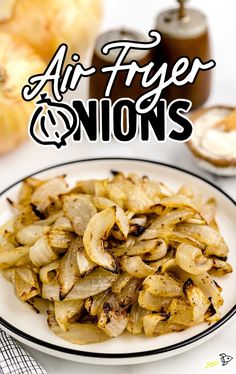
[184, 33]
[98, 81]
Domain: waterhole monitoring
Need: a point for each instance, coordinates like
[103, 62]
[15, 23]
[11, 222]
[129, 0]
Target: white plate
[31, 328]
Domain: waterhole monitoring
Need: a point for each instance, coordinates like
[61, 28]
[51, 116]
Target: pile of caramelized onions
[121, 254]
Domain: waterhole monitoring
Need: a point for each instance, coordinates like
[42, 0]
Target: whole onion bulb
[47, 23]
[18, 61]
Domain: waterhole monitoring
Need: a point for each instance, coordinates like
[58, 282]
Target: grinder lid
[122, 34]
[181, 22]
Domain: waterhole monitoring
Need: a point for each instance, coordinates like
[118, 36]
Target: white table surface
[140, 14]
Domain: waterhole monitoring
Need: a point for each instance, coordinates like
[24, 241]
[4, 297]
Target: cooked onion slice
[159, 264]
[64, 310]
[205, 282]
[78, 333]
[113, 319]
[51, 189]
[129, 294]
[115, 193]
[79, 209]
[205, 234]
[50, 291]
[149, 323]
[162, 222]
[85, 265]
[41, 253]
[178, 201]
[180, 237]
[136, 267]
[138, 200]
[181, 312]
[68, 269]
[209, 287]
[63, 223]
[138, 220]
[208, 211]
[135, 320]
[96, 232]
[220, 268]
[220, 250]
[39, 305]
[30, 234]
[25, 283]
[153, 303]
[155, 325]
[185, 191]
[93, 283]
[85, 186]
[94, 304]
[112, 323]
[121, 219]
[12, 256]
[156, 253]
[47, 273]
[121, 282]
[169, 267]
[51, 219]
[190, 259]
[142, 247]
[59, 240]
[163, 285]
[197, 300]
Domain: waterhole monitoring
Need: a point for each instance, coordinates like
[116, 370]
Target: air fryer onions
[114, 255]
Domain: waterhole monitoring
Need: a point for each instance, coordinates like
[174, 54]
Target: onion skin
[46, 24]
[17, 63]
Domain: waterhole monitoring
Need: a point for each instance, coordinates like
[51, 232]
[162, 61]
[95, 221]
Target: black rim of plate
[153, 352]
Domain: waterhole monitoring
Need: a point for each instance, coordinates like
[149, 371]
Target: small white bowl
[213, 163]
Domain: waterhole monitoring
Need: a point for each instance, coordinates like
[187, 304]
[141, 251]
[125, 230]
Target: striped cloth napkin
[14, 359]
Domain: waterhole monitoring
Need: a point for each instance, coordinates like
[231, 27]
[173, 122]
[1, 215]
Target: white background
[140, 15]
